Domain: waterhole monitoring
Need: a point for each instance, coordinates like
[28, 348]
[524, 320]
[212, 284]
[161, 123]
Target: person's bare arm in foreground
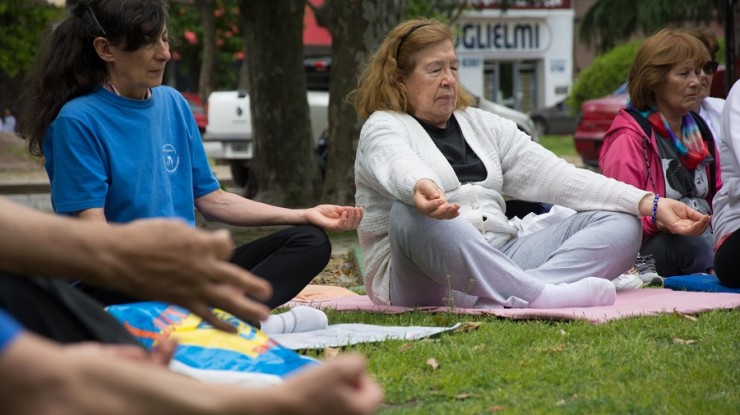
[153, 259]
[44, 378]
[230, 208]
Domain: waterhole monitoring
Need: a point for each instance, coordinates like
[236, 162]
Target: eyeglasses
[710, 67]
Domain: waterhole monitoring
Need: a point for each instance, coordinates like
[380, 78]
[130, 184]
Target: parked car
[556, 119]
[199, 111]
[228, 137]
[594, 120]
[522, 120]
[318, 72]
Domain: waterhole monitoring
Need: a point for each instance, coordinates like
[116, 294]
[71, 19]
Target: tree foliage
[609, 22]
[186, 29]
[604, 75]
[22, 24]
[442, 10]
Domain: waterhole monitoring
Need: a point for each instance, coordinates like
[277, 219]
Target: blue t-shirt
[9, 329]
[134, 158]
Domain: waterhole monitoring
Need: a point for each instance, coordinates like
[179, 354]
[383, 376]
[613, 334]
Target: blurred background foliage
[21, 30]
[187, 32]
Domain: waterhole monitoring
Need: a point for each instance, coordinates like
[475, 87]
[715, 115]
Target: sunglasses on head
[710, 67]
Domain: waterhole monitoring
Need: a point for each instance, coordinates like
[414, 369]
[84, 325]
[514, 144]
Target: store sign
[510, 36]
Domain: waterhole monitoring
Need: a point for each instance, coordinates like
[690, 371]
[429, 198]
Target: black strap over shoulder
[642, 121]
[706, 133]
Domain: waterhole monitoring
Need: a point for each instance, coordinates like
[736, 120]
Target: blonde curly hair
[377, 86]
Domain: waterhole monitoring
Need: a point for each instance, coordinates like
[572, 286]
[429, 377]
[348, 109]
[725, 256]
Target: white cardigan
[395, 152]
[726, 203]
[710, 111]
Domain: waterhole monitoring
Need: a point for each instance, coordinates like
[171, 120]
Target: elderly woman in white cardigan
[431, 173]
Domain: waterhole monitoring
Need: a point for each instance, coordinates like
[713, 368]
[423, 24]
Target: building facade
[521, 57]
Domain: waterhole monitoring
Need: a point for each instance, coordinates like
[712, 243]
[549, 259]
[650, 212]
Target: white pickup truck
[228, 136]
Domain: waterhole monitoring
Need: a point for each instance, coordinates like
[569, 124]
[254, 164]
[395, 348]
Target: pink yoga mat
[638, 302]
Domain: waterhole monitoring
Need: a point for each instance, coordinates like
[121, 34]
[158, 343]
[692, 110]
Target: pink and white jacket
[623, 158]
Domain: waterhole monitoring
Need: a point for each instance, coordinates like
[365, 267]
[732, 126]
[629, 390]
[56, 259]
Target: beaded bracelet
[655, 208]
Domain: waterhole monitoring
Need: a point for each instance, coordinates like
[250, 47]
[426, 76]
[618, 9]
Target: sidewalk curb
[23, 188]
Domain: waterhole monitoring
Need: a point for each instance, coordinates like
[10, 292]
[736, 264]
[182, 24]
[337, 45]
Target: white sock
[297, 320]
[588, 292]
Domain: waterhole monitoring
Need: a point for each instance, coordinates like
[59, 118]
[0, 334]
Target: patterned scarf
[692, 149]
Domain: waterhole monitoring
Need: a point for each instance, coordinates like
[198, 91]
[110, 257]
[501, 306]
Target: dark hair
[68, 65]
[709, 40]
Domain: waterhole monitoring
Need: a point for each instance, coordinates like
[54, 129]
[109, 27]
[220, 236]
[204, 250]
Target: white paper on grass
[337, 335]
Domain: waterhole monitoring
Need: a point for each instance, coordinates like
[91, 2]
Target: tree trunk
[242, 80]
[284, 165]
[357, 27]
[205, 79]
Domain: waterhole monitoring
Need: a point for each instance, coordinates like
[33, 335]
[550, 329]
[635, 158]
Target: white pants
[449, 263]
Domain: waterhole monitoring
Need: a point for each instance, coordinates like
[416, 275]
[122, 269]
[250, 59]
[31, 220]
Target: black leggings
[289, 259]
[52, 309]
[678, 254]
[727, 261]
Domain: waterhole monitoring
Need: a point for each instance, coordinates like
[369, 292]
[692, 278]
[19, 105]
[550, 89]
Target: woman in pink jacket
[658, 144]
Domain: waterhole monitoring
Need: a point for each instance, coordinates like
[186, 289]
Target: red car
[594, 120]
[199, 111]
[597, 114]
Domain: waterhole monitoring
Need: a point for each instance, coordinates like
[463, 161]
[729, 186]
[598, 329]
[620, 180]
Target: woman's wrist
[654, 211]
[645, 207]
[420, 181]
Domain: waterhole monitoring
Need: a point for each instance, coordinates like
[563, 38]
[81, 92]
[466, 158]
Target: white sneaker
[651, 278]
[627, 281]
[645, 268]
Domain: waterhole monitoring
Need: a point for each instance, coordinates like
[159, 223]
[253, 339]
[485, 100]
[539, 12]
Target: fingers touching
[335, 218]
[431, 201]
[676, 217]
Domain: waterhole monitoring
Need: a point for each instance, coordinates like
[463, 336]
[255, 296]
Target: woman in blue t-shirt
[119, 146]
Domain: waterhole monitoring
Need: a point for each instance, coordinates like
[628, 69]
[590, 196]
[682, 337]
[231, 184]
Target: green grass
[562, 145]
[667, 364]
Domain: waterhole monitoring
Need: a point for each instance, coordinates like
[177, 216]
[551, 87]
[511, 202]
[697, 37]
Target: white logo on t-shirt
[170, 158]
